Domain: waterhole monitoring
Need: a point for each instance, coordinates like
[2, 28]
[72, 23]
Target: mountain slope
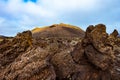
[58, 30]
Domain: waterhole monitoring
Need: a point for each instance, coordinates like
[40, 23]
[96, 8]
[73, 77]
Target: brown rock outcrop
[96, 56]
[10, 49]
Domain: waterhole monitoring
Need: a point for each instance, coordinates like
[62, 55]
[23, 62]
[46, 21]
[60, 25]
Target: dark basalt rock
[96, 56]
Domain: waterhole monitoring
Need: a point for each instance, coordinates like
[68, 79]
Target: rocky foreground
[61, 53]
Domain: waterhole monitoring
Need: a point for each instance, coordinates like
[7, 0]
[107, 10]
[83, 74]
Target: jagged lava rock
[13, 48]
[61, 52]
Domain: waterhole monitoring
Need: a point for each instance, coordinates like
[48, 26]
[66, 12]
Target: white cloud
[49, 8]
[18, 7]
[27, 15]
[21, 16]
[68, 5]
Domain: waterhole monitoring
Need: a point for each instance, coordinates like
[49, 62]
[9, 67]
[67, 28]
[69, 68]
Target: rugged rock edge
[96, 56]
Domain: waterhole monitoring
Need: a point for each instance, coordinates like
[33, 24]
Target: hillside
[58, 30]
[61, 52]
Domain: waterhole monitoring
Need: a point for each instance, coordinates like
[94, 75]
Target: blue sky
[19, 15]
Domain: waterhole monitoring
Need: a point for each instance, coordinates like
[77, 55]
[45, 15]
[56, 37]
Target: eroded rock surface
[96, 56]
[11, 49]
